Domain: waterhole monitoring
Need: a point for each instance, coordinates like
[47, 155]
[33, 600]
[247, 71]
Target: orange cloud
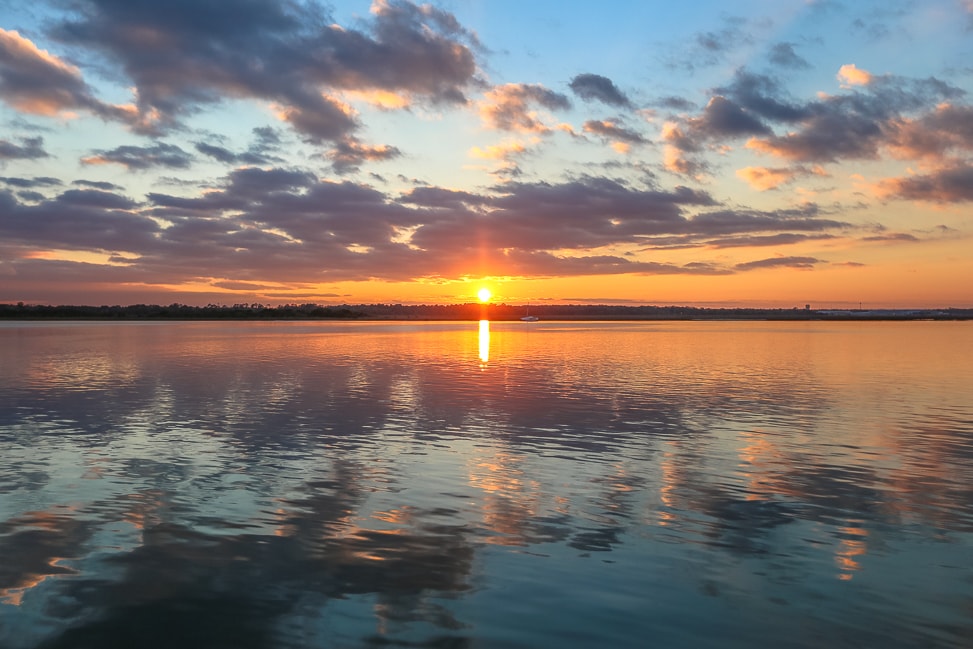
[380, 98]
[509, 107]
[850, 75]
[765, 178]
[498, 151]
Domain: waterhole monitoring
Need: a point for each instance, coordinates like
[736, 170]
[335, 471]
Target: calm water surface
[713, 484]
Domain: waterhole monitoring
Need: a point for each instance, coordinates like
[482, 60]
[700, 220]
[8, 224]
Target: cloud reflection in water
[285, 485]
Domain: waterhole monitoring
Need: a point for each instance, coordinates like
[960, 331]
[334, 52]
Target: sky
[770, 153]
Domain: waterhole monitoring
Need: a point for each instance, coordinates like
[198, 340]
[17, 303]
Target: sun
[484, 294]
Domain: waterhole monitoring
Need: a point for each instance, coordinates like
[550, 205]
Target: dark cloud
[226, 156]
[802, 263]
[748, 221]
[952, 184]
[612, 131]
[30, 195]
[946, 129]
[96, 184]
[781, 239]
[36, 181]
[36, 82]
[763, 96]
[348, 153]
[894, 236]
[676, 103]
[267, 137]
[142, 157]
[217, 152]
[596, 87]
[855, 125]
[444, 199]
[266, 226]
[77, 220]
[95, 198]
[266, 142]
[784, 56]
[723, 118]
[186, 53]
[30, 148]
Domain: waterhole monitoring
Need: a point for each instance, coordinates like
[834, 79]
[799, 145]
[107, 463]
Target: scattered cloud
[767, 178]
[502, 151]
[30, 148]
[138, 158]
[849, 75]
[36, 181]
[783, 55]
[181, 57]
[620, 137]
[348, 153]
[591, 87]
[801, 263]
[511, 107]
[36, 82]
[953, 184]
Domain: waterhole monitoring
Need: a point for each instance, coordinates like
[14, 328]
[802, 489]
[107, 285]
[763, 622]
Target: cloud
[95, 198]
[141, 158]
[36, 82]
[27, 183]
[766, 178]
[185, 54]
[953, 184]
[933, 135]
[596, 87]
[731, 222]
[781, 239]
[349, 153]
[30, 148]
[224, 155]
[77, 219]
[724, 118]
[763, 96]
[802, 263]
[856, 125]
[712, 47]
[783, 55]
[620, 136]
[96, 184]
[285, 225]
[510, 107]
[849, 75]
[867, 120]
[721, 119]
[675, 103]
[217, 152]
[502, 151]
[893, 236]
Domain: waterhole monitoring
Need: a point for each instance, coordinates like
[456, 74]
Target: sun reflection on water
[484, 342]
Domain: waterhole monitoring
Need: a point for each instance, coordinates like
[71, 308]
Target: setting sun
[484, 294]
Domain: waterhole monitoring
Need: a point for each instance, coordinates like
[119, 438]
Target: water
[713, 484]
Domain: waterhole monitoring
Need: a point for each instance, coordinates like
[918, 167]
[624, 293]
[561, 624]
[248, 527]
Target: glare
[484, 341]
[484, 294]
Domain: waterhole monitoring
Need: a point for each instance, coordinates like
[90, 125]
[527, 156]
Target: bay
[568, 484]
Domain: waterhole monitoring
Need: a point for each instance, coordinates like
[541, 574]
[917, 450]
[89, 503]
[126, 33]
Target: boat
[529, 317]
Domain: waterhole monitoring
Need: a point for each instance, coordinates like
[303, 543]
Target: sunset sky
[762, 153]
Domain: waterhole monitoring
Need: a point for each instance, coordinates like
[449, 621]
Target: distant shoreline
[461, 312]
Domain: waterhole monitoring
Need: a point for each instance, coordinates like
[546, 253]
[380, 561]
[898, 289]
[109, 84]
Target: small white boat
[529, 317]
